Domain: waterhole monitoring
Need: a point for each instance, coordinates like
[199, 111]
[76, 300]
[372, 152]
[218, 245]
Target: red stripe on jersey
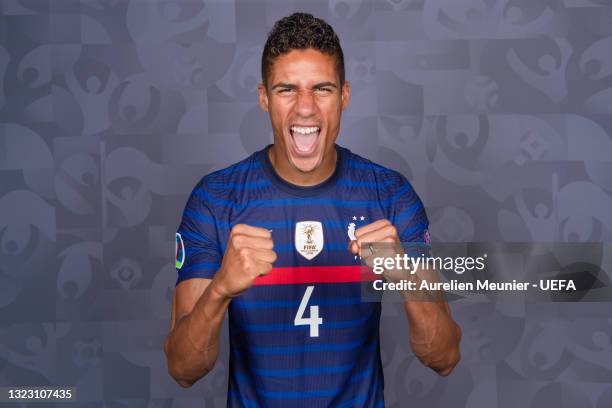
[317, 274]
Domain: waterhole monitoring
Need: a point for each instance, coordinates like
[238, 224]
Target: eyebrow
[293, 86]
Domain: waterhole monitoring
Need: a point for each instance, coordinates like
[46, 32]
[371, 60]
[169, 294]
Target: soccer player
[275, 240]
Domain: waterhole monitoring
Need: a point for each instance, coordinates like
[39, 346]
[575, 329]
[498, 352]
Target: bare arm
[199, 305]
[434, 336]
[192, 346]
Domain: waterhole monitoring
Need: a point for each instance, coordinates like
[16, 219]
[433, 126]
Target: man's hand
[249, 254]
[377, 232]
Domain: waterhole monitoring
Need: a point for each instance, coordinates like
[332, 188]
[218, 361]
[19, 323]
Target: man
[276, 238]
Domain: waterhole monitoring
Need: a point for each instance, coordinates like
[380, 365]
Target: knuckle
[248, 266]
[248, 269]
[243, 253]
[237, 240]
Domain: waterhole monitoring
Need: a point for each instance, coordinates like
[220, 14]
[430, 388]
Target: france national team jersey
[300, 336]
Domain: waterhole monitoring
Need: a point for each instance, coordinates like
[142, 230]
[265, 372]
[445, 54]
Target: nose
[306, 104]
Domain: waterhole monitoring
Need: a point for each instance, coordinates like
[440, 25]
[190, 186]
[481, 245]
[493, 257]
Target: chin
[306, 165]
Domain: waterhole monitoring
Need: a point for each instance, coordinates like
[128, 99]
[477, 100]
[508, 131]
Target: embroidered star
[362, 218]
[354, 218]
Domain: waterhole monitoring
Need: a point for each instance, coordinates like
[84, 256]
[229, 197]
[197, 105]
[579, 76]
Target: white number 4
[314, 320]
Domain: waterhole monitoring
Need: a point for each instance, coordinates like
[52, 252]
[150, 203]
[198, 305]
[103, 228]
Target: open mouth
[305, 138]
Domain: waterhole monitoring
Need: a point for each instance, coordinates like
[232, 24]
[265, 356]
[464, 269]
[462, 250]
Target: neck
[292, 175]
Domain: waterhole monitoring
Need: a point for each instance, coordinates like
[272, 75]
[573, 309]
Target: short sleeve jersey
[301, 336]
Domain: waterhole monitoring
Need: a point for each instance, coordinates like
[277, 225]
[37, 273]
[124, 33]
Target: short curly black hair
[301, 31]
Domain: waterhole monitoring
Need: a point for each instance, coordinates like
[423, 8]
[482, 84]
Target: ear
[346, 94]
[263, 97]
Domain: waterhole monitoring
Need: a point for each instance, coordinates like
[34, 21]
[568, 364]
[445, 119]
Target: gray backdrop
[498, 111]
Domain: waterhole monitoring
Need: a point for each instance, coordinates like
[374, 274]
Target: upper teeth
[305, 130]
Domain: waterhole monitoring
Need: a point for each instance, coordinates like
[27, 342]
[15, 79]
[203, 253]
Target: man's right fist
[248, 255]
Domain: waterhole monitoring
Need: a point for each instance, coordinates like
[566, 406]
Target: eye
[285, 90]
[323, 90]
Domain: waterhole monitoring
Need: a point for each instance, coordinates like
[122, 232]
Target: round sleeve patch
[179, 251]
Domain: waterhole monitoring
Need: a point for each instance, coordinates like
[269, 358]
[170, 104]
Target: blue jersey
[301, 336]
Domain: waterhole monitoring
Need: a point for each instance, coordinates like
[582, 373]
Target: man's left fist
[378, 231]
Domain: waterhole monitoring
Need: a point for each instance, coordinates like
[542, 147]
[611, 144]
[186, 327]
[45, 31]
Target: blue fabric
[273, 362]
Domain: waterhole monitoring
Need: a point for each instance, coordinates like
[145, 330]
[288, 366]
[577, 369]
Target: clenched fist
[249, 254]
[381, 231]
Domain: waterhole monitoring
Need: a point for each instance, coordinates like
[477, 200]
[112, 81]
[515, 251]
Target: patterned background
[499, 111]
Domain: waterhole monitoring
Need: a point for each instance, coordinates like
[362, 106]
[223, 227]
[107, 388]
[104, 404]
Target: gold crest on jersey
[309, 238]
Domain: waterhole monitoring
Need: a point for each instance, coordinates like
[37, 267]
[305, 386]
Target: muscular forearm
[434, 336]
[193, 346]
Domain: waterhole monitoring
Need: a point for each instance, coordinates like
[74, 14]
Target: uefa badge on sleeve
[179, 251]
